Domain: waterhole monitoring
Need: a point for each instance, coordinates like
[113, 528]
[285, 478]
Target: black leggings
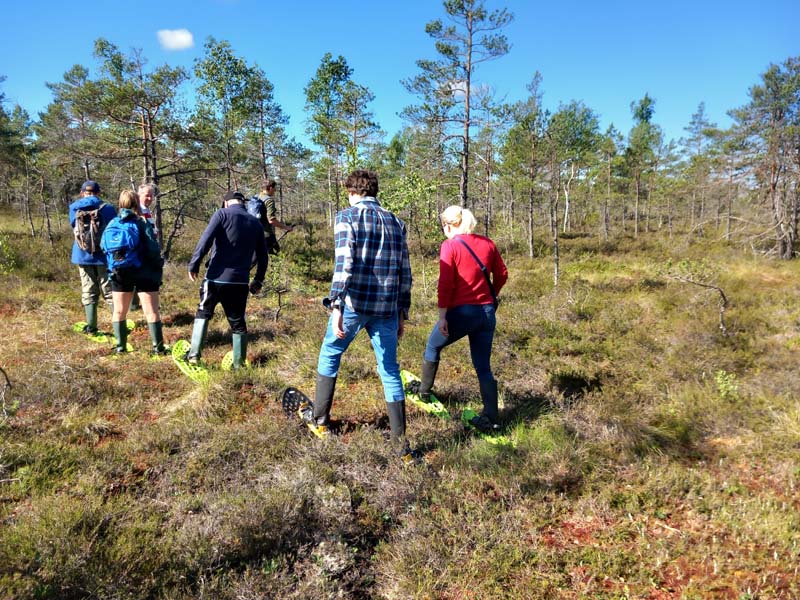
[232, 296]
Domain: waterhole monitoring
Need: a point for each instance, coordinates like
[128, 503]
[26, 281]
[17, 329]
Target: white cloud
[175, 39]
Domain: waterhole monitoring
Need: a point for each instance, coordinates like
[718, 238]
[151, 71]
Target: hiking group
[370, 288]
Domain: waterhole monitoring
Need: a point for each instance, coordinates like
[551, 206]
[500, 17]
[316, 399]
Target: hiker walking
[88, 216]
[262, 206]
[467, 304]
[232, 236]
[371, 289]
[135, 262]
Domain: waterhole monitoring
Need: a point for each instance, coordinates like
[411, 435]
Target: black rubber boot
[323, 399]
[397, 422]
[489, 397]
[398, 440]
[429, 369]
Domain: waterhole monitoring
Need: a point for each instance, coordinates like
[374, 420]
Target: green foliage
[8, 260]
[727, 387]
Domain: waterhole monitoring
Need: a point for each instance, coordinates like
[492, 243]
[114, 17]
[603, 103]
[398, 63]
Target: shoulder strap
[483, 269]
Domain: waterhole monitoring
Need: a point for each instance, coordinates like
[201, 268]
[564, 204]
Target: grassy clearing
[655, 457]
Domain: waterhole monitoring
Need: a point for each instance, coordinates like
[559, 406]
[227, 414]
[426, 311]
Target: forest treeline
[535, 172]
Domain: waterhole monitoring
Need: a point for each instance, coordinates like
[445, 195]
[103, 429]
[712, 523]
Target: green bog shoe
[96, 335]
[473, 421]
[194, 371]
[227, 361]
[410, 385]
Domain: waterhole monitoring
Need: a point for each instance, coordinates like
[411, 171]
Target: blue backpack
[121, 243]
[255, 206]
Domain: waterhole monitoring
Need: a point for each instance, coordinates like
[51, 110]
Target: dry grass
[654, 458]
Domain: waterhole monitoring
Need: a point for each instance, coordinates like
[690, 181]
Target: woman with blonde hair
[467, 299]
[142, 270]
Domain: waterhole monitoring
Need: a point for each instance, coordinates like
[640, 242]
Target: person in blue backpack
[88, 216]
[232, 236]
[135, 262]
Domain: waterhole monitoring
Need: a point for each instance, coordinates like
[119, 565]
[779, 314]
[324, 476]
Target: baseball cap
[234, 196]
[90, 186]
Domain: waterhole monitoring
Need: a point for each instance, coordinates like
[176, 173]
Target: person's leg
[480, 348]
[330, 357]
[121, 296]
[149, 302]
[234, 302]
[205, 310]
[90, 294]
[104, 283]
[383, 335]
[457, 329]
[330, 353]
[121, 301]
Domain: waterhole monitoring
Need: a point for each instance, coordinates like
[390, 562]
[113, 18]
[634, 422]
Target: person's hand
[442, 325]
[255, 287]
[193, 276]
[338, 326]
[401, 327]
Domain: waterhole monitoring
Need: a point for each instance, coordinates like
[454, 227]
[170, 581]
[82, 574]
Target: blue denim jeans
[474, 320]
[383, 335]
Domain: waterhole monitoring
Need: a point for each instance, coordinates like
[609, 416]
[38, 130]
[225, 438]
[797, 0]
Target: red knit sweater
[460, 278]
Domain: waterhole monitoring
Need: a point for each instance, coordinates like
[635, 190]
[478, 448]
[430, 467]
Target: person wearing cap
[91, 266]
[371, 290]
[232, 237]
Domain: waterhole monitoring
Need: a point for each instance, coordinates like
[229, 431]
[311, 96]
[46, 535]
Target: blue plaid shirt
[372, 271]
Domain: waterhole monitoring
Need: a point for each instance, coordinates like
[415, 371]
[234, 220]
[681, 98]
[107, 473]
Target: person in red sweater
[467, 304]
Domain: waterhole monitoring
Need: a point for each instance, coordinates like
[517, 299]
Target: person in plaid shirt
[371, 289]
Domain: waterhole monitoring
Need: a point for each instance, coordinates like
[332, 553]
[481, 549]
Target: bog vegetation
[646, 348]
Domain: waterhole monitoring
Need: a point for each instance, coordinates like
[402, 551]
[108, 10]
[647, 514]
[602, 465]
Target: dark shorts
[126, 280]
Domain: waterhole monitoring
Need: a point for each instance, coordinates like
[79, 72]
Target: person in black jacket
[232, 236]
[145, 279]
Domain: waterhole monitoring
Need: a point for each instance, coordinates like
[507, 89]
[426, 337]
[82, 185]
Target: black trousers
[232, 296]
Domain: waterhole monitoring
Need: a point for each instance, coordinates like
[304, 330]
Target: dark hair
[362, 182]
[270, 184]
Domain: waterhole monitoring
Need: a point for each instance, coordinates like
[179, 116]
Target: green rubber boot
[157, 338]
[91, 318]
[239, 350]
[121, 336]
[198, 339]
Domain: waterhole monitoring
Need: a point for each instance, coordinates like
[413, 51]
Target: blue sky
[607, 54]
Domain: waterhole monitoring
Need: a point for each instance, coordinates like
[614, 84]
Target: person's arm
[276, 223]
[499, 272]
[261, 261]
[152, 251]
[446, 286]
[203, 245]
[344, 241]
[404, 302]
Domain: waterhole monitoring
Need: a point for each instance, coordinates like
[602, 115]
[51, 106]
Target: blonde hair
[461, 219]
[128, 199]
